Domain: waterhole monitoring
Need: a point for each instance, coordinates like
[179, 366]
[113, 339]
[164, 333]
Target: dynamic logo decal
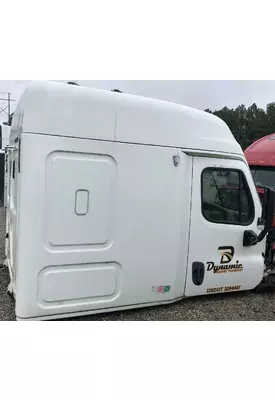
[227, 254]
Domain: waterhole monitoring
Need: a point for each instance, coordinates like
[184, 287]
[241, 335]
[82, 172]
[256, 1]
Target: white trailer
[118, 202]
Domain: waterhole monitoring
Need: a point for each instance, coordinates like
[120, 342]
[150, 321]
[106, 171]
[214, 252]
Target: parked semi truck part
[261, 159]
[4, 140]
[117, 202]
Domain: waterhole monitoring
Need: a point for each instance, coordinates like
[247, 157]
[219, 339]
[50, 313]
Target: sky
[198, 94]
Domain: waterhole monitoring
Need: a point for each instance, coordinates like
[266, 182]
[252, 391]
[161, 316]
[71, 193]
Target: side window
[226, 197]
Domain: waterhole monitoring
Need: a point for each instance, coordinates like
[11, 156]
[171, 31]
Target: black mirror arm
[262, 235]
[250, 238]
[269, 198]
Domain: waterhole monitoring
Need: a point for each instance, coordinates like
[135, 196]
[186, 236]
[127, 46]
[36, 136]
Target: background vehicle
[261, 159]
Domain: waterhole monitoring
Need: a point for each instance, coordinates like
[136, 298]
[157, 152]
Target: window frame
[255, 169]
[246, 187]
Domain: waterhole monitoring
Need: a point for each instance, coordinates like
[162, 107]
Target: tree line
[248, 124]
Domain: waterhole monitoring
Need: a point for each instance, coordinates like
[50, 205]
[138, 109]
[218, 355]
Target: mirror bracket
[250, 238]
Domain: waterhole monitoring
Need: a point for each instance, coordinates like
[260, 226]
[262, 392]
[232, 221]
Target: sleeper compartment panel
[79, 190]
[78, 284]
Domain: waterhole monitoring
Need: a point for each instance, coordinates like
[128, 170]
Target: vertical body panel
[12, 210]
[218, 247]
[80, 188]
[131, 246]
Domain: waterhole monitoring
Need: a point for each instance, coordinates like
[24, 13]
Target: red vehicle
[261, 160]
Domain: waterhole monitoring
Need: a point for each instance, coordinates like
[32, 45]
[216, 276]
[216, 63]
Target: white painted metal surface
[100, 214]
[79, 112]
[5, 130]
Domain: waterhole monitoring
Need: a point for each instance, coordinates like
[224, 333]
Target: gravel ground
[246, 306]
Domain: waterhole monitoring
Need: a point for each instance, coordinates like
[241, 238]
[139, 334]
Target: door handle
[198, 270]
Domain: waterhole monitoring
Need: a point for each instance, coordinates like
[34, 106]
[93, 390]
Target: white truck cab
[116, 202]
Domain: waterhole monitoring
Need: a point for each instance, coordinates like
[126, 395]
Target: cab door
[224, 204]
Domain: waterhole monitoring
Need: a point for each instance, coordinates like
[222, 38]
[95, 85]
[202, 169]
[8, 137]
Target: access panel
[79, 198]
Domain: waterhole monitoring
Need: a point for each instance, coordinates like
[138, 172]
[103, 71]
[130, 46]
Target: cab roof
[262, 152]
[53, 108]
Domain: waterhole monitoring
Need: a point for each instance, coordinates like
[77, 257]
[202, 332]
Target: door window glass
[226, 197]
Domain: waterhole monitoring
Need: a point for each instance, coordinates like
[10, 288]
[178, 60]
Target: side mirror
[250, 238]
[267, 212]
